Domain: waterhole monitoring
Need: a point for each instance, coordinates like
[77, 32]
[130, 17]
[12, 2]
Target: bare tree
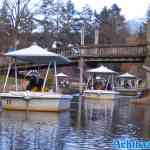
[19, 17]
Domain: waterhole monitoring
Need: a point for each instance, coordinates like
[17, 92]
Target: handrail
[105, 51]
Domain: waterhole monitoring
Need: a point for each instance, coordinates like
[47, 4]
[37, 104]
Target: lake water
[90, 125]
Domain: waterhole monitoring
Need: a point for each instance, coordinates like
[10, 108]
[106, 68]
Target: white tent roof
[61, 75]
[127, 75]
[103, 70]
[37, 55]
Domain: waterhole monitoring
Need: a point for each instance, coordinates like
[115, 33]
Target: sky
[130, 8]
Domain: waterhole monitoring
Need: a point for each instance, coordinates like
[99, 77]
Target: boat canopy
[102, 70]
[37, 55]
[61, 75]
[127, 75]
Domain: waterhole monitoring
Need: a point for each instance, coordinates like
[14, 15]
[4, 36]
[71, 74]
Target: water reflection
[123, 125]
[130, 120]
[141, 116]
[96, 111]
[33, 130]
[91, 125]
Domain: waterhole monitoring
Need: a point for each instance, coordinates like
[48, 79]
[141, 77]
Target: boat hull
[128, 92]
[100, 94]
[96, 97]
[53, 103]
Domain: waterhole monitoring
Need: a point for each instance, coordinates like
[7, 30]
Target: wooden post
[92, 82]
[148, 52]
[81, 59]
[82, 35]
[96, 37]
[81, 73]
[16, 76]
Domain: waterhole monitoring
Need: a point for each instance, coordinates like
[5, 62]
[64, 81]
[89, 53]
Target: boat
[100, 94]
[106, 92]
[128, 85]
[35, 101]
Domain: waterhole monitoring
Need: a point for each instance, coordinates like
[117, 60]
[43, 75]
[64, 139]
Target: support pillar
[147, 63]
[96, 41]
[81, 61]
[16, 76]
[81, 66]
[45, 79]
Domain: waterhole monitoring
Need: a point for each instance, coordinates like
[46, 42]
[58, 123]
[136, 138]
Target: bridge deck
[106, 53]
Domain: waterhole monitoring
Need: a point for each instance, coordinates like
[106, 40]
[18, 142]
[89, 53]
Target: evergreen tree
[68, 33]
[4, 14]
[119, 30]
[68, 16]
[112, 25]
[104, 25]
[86, 19]
[148, 14]
[47, 12]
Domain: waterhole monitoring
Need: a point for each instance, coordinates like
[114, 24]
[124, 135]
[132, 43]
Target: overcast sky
[130, 8]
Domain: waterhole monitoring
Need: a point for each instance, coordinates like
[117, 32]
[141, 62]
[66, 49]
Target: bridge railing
[104, 51]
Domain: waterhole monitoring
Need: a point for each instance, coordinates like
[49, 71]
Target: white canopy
[37, 55]
[127, 75]
[103, 70]
[61, 75]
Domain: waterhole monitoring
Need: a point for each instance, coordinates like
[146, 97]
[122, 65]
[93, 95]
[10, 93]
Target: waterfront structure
[128, 85]
[97, 90]
[41, 100]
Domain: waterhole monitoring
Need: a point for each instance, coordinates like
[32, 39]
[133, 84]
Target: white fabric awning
[61, 75]
[127, 75]
[37, 55]
[103, 70]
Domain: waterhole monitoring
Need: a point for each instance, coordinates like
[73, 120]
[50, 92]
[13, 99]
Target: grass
[10, 83]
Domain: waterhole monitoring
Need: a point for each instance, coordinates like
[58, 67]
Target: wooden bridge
[105, 53]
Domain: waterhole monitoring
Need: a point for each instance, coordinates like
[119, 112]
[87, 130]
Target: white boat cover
[37, 55]
[103, 70]
[127, 75]
[61, 75]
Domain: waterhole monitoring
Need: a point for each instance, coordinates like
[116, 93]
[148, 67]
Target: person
[109, 87]
[126, 85]
[40, 84]
[98, 86]
[32, 83]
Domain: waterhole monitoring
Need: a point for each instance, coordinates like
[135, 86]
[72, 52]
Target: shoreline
[145, 100]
